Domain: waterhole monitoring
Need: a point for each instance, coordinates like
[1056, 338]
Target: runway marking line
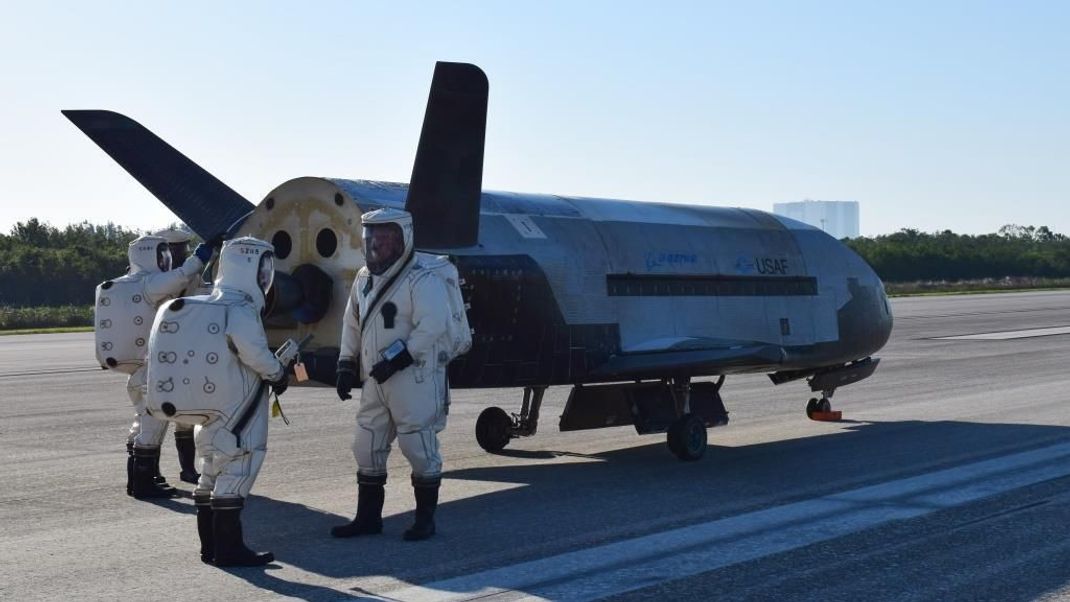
[1008, 334]
[49, 372]
[640, 562]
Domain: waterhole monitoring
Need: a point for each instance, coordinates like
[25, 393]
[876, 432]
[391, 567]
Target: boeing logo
[657, 259]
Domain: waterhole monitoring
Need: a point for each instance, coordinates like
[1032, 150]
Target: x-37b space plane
[642, 308]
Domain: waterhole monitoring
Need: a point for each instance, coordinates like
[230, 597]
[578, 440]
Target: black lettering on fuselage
[768, 265]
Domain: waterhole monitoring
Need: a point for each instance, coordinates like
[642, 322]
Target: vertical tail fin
[447, 175]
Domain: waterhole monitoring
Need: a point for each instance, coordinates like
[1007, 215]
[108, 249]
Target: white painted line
[1010, 334]
[644, 561]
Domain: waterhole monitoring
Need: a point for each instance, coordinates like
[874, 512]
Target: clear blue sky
[931, 115]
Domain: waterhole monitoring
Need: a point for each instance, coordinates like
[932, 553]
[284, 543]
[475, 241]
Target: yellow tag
[276, 411]
[300, 373]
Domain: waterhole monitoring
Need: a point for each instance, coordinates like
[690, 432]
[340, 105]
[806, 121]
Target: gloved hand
[203, 252]
[382, 371]
[347, 378]
[279, 386]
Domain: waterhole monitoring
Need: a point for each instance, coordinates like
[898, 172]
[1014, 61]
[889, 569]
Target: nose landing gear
[821, 409]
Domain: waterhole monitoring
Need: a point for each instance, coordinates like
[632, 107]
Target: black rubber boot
[205, 528]
[369, 519]
[186, 452]
[158, 478]
[144, 475]
[426, 491]
[129, 469]
[230, 547]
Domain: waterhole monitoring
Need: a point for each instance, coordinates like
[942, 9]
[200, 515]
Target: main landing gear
[686, 436]
[495, 428]
[675, 406]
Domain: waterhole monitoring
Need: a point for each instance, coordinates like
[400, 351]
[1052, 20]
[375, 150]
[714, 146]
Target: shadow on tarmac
[180, 503]
[558, 506]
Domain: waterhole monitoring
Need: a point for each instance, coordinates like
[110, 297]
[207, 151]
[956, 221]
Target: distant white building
[838, 218]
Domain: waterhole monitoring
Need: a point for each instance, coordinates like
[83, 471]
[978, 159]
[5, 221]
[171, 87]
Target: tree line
[41, 265]
[44, 265]
[1014, 252]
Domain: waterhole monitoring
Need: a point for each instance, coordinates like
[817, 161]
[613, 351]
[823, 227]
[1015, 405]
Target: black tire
[687, 438]
[824, 405]
[494, 429]
[811, 407]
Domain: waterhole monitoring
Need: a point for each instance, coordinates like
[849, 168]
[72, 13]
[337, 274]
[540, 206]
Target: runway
[949, 478]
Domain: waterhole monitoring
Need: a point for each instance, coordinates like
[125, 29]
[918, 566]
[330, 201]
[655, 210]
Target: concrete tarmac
[946, 479]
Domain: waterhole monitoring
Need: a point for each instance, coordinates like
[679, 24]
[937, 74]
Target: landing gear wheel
[817, 405]
[494, 428]
[687, 438]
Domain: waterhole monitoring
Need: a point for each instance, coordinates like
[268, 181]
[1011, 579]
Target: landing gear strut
[495, 428]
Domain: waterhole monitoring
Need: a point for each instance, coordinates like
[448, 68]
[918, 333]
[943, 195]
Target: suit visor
[383, 246]
[265, 274]
[163, 257]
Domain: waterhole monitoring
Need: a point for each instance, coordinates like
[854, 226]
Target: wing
[690, 356]
[197, 197]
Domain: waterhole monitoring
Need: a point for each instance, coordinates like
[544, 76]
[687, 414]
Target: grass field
[35, 318]
[987, 285]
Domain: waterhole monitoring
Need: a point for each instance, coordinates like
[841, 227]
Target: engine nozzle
[302, 297]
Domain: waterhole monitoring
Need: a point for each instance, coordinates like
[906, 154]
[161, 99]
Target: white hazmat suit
[124, 309]
[393, 328]
[221, 330]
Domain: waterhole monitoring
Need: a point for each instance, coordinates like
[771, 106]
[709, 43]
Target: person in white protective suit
[178, 241]
[393, 326]
[124, 310]
[232, 443]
